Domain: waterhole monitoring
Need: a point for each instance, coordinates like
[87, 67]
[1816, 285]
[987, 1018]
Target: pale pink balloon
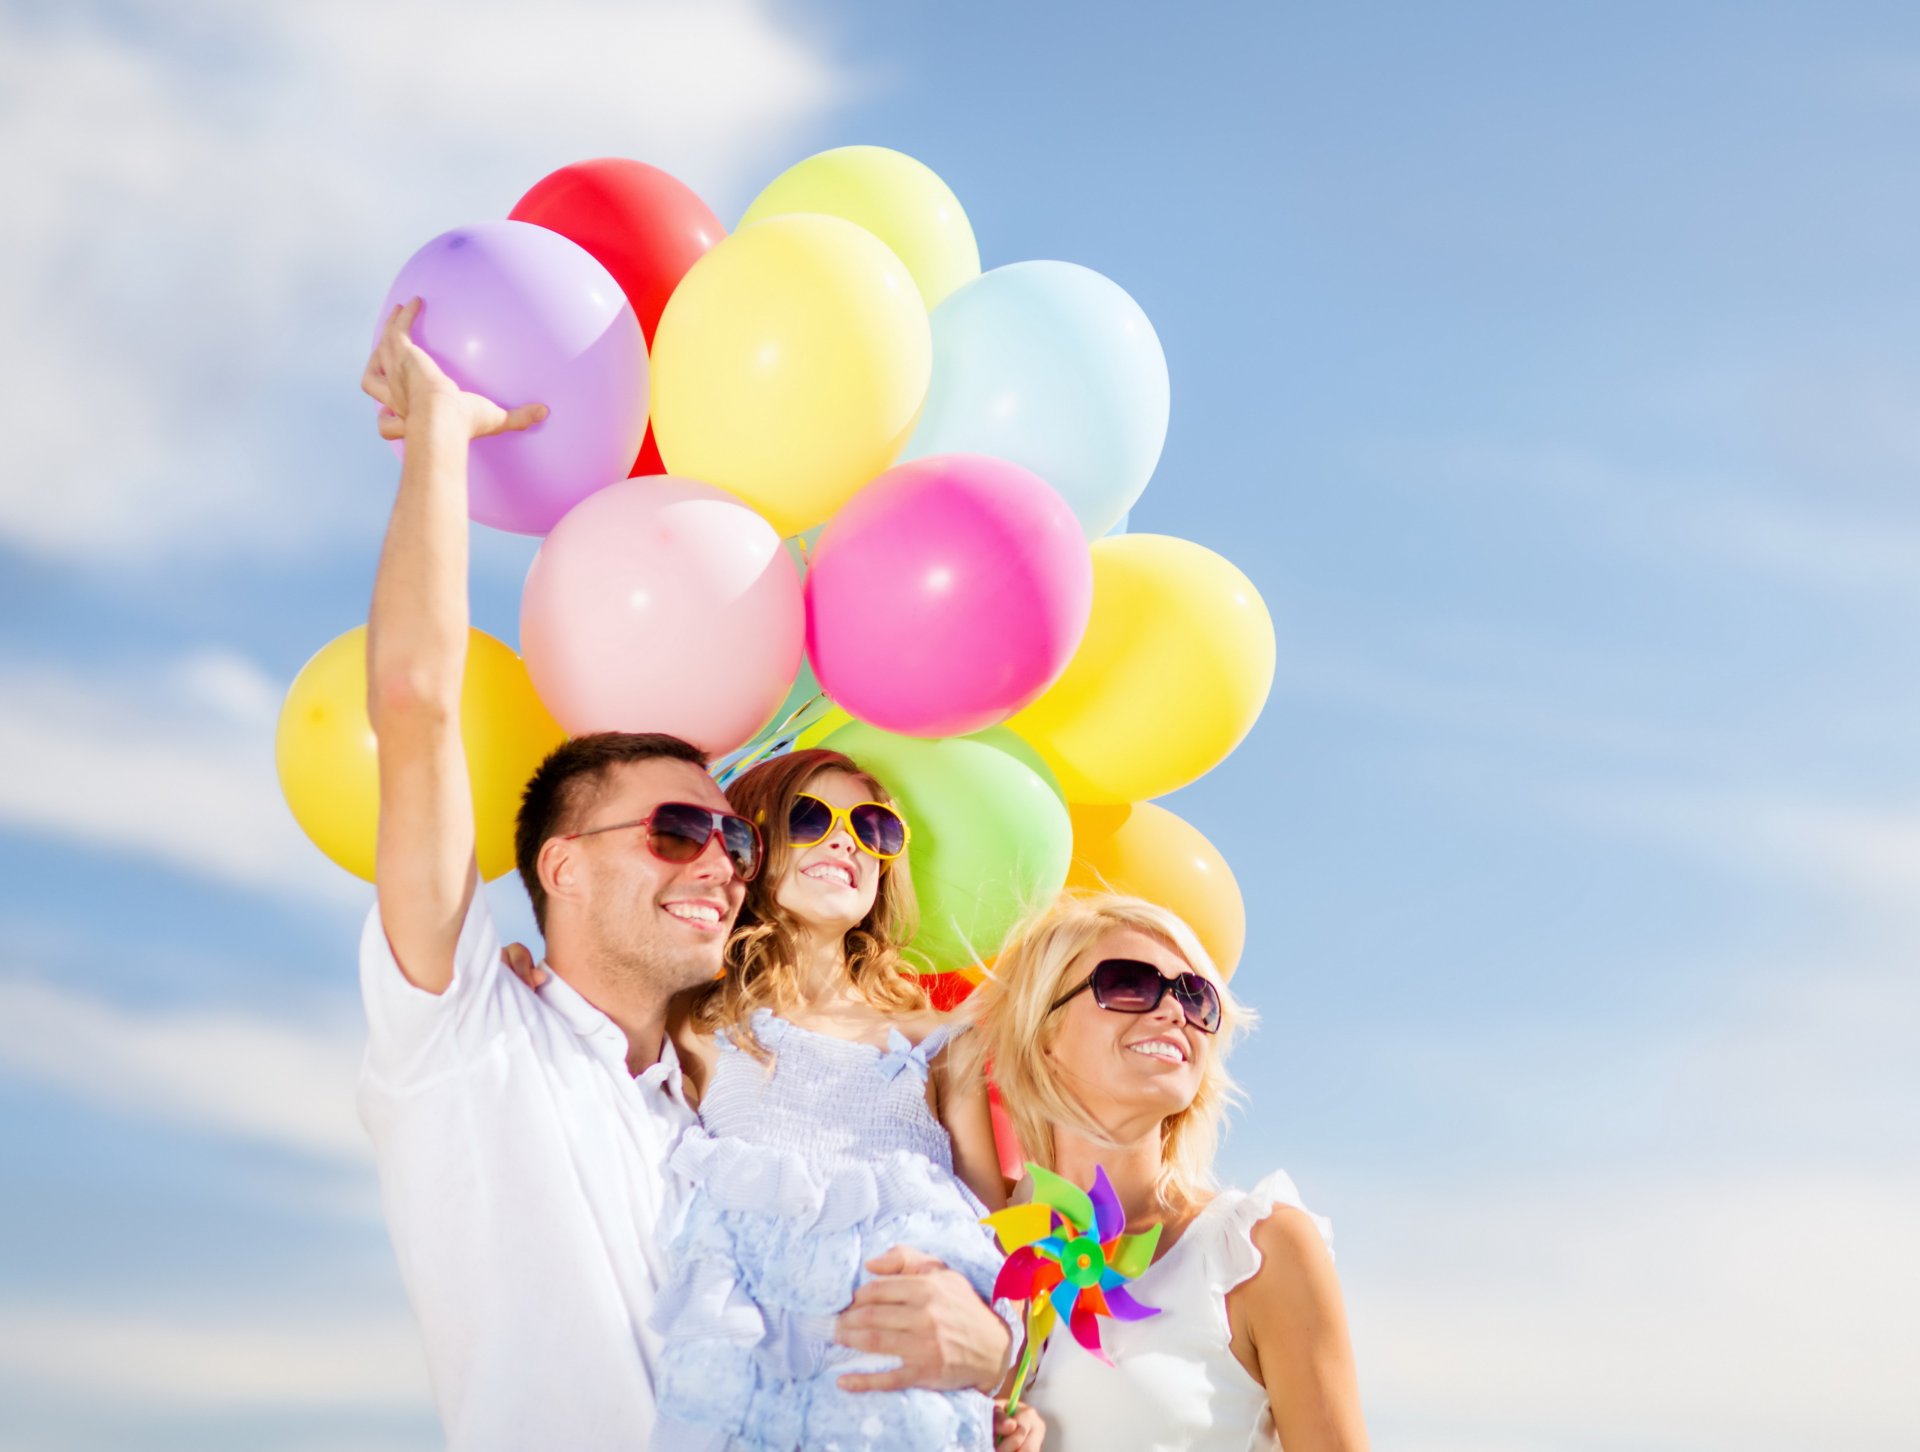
[946, 595]
[662, 604]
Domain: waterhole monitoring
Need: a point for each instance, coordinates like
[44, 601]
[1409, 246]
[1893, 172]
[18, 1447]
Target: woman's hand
[1024, 1431]
[405, 381]
[519, 959]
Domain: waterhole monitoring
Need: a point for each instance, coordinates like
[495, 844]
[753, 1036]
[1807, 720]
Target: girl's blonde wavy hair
[1016, 1029]
[762, 956]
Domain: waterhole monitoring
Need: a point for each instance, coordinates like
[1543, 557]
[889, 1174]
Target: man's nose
[713, 864]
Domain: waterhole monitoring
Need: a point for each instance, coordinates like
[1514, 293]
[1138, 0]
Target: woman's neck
[1132, 1165]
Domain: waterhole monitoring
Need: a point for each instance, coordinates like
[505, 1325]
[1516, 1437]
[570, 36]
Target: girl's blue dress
[799, 1176]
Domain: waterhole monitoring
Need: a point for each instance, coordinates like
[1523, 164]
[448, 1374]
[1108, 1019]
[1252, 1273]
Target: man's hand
[946, 1337]
[519, 960]
[404, 381]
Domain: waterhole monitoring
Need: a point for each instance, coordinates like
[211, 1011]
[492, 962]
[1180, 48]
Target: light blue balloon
[1120, 528]
[1053, 367]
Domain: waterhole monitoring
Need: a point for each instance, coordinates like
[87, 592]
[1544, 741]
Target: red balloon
[947, 990]
[640, 224]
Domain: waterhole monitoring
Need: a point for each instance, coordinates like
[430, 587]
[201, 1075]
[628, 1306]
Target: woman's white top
[1174, 1385]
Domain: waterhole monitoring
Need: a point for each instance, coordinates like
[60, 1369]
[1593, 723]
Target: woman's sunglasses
[1127, 985]
[878, 828]
[678, 832]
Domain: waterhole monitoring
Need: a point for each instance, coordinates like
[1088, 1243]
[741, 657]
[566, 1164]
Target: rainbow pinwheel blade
[1063, 1296]
[1063, 1195]
[1019, 1225]
[1122, 1306]
[1040, 1319]
[1134, 1253]
[1087, 1332]
[1108, 1218]
[1019, 1275]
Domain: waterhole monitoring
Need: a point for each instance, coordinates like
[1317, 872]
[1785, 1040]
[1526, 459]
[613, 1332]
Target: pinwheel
[1068, 1260]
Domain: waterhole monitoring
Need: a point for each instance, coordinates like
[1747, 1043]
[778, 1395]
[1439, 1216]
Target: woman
[1107, 1027]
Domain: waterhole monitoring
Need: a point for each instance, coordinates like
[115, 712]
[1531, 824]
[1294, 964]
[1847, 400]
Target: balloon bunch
[1068, 1261]
[824, 480]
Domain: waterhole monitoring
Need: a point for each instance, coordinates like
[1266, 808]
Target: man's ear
[559, 867]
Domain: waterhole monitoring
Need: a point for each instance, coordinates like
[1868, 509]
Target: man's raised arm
[417, 652]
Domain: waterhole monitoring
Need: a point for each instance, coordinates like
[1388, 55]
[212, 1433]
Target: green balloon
[991, 837]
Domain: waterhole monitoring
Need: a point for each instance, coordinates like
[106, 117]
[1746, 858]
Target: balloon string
[729, 767]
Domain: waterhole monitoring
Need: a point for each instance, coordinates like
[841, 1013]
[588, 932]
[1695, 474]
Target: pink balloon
[522, 315]
[661, 604]
[946, 595]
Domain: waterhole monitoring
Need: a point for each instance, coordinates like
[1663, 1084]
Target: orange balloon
[1146, 851]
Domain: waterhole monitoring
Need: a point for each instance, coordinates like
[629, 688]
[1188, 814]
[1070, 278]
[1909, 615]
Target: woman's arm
[1290, 1331]
[962, 1107]
[699, 1054]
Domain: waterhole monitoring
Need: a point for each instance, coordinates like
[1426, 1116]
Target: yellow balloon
[329, 767]
[1170, 676]
[1146, 851]
[900, 200]
[790, 366]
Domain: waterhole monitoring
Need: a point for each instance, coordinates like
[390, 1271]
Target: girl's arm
[1290, 1331]
[961, 1105]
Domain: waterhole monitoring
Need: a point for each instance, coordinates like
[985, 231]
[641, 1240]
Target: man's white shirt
[524, 1177]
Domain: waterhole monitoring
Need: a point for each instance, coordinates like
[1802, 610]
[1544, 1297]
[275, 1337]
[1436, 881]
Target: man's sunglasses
[678, 832]
[878, 828]
[1127, 985]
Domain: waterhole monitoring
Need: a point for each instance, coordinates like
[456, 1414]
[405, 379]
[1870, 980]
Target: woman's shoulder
[1266, 1226]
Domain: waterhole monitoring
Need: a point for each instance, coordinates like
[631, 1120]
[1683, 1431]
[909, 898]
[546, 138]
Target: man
[522, 1135]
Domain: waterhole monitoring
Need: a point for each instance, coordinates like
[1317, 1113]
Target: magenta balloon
[946, 595]
[660, 604]
[521, 315]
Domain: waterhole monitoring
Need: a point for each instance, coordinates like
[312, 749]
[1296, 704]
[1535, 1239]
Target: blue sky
[1550, 369]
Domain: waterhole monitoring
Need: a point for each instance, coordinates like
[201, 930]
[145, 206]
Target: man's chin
[698, 965]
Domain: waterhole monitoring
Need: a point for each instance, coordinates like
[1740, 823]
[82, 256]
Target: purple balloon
[521, 315]
[946, 595]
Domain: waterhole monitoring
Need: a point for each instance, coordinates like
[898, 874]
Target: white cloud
[153, 1363]
[272, 1082]
[209, 199]
[1864, 541]
[1868, 854]
[175, 764]
[1555, 1312]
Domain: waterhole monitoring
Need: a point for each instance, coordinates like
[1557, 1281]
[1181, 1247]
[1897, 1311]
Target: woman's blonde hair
[762, 956]
[1013, 1009]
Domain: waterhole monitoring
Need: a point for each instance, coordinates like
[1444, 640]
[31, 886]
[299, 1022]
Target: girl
[831, 1132]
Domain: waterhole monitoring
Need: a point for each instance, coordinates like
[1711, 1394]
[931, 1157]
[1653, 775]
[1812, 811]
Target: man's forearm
[417, 628]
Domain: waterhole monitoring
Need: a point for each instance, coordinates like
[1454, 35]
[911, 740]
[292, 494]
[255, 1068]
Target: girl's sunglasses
[678, 832]
[877, 827]
[1127, 985]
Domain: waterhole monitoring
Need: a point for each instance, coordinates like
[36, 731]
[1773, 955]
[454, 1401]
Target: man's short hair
[565, 786]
